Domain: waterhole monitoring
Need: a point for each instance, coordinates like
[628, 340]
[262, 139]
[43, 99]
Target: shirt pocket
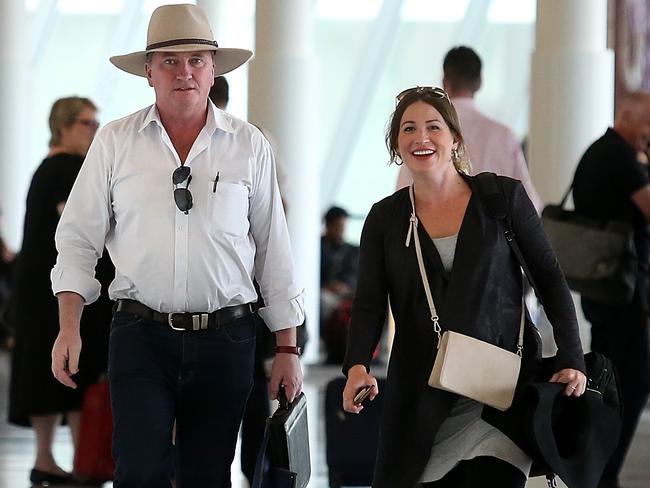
[228, 209]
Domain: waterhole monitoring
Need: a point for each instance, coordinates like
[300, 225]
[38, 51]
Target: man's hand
[65, 357]
[67, 347]
[286, 371]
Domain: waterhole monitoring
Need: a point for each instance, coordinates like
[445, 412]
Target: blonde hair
[64, 114]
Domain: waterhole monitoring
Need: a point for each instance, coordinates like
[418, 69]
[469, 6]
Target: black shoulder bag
[598, 257]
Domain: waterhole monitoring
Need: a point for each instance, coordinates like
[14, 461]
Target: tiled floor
[16, 444]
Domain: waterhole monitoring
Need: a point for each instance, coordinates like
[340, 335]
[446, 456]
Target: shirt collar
[216, 119]
[152, 116]
[219, 118]
[463, 102]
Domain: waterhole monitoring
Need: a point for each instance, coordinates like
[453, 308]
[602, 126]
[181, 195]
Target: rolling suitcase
[351, 440]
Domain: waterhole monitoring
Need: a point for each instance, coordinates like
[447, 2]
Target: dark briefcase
[283, 460]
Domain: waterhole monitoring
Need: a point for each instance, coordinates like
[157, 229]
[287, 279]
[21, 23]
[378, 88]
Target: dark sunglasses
[182, 196]
[434, 90]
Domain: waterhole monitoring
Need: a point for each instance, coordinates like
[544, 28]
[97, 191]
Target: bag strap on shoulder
[496, 206]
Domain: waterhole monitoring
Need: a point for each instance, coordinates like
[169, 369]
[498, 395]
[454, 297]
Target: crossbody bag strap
[488, 187]
[496, 202]
[413, 231]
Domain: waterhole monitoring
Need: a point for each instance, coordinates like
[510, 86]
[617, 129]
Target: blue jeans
[202, 379]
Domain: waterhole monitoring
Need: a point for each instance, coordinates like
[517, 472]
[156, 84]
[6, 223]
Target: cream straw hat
[181, 28]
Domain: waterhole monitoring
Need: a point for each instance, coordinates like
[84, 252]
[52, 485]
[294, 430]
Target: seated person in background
[338, 262]
[338, 277]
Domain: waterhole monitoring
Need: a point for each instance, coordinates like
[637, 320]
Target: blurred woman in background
[37, 399]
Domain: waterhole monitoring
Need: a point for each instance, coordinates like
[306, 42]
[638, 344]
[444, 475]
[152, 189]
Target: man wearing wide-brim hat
[185, 198]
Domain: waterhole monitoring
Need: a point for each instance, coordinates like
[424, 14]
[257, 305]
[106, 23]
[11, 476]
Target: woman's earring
[398, 160]
[455, 158]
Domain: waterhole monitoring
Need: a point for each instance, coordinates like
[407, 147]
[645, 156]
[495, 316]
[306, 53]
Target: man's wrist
[288, 350]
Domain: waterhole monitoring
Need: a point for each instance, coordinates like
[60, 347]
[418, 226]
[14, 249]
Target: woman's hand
[576, 381]
[358, 377]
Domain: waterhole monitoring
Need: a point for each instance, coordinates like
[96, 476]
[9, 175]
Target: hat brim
[575, 436]
[225, 59]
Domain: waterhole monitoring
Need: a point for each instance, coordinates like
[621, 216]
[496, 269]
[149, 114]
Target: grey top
[464, 435]
[446, 247]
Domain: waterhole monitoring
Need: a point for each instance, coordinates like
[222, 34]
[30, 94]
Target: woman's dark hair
[64, 114]
[443, 105]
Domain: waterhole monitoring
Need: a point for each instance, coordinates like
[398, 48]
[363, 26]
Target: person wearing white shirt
[185, 198]
[491, 145]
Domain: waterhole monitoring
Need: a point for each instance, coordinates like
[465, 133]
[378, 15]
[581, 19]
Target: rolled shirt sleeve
[274, 267]
[82, 229]
[284, 314]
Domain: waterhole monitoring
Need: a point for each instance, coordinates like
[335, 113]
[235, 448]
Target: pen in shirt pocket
[214, 184]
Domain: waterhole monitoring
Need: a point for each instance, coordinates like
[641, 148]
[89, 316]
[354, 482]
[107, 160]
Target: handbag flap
[476, 369]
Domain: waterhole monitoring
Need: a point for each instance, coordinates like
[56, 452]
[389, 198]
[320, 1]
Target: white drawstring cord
[413, 225]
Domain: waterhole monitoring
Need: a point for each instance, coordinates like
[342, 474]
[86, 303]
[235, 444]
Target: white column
[572, 97]
[217, 12]
[232, 26]
[572, 89]
[283, 101]
[15, 97]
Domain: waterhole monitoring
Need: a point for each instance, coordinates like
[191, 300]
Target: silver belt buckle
[200, 321]
[170, 321]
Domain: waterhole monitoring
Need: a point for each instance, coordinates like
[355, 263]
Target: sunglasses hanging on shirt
[182, 196]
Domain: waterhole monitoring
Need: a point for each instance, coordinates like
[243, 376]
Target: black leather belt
[187, 321]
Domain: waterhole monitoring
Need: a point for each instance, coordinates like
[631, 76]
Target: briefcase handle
[282, 399]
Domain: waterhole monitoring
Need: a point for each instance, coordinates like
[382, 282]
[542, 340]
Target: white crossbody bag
[465, 365]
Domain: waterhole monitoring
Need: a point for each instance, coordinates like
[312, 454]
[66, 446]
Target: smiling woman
[432, 107]
[428, 435]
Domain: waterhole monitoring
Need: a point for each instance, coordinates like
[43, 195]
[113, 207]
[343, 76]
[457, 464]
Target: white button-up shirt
[172, 262]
